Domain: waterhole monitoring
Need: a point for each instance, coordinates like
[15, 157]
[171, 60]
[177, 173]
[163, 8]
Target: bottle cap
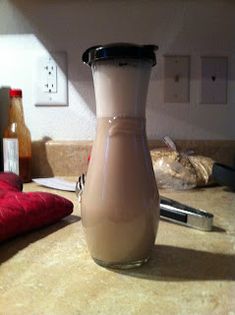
[119, 50]
[15, 93]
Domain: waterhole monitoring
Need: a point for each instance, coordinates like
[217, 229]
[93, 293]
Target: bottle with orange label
[17, 151]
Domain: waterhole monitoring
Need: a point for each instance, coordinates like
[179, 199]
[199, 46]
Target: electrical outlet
[176, 79]
[50, 76]
[214, 80]
[50, 80]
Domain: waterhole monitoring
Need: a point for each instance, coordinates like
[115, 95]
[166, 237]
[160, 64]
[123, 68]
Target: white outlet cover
[176, 79]
[50, 75]
[41, 96]
[214, 80]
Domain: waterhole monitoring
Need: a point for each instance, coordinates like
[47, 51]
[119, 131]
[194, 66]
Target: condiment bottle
[120, 203]
[17, 151]
[4, 105]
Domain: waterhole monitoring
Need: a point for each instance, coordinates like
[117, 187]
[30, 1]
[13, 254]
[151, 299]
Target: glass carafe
[120, 203]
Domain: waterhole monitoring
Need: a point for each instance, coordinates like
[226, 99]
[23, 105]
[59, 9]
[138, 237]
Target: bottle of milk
[120, 203]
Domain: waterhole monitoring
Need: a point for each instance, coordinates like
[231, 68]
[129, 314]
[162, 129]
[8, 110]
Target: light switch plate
[214, 80]
[176, 79]
[50, 79]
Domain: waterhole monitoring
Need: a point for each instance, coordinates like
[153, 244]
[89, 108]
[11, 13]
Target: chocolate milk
[120, 203]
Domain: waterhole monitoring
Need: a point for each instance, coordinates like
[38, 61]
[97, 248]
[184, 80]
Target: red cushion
[21, 212]
[10, 181]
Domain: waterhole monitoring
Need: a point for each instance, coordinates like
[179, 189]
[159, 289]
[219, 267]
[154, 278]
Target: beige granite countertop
[50, 272]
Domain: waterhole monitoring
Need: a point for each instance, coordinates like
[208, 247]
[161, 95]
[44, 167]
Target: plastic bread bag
[179, 170]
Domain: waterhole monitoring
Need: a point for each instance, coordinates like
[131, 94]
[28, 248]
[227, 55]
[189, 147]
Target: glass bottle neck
[16, 114]
[121, 87]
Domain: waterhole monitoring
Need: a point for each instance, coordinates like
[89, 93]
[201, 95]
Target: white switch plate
[176, 79]
[50, 80]
[214, 80]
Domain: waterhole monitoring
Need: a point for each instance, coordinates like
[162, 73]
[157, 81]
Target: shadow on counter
[169, 263]
[40, 159]
[10, 248]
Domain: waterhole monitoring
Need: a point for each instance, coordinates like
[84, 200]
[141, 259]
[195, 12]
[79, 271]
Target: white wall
[187, 27]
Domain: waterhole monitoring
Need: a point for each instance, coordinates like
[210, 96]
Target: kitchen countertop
[50, 272]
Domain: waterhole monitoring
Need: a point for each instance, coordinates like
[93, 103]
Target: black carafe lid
[119, 50]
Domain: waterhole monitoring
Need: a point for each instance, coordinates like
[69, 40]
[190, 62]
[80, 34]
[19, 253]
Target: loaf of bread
[180, 171]
[203, 166]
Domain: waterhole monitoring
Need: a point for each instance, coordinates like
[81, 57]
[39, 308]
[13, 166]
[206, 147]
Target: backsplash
[185, 28]
[70, 158]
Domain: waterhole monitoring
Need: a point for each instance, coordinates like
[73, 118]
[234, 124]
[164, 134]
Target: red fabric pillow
[22, 212]
[10, 181]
